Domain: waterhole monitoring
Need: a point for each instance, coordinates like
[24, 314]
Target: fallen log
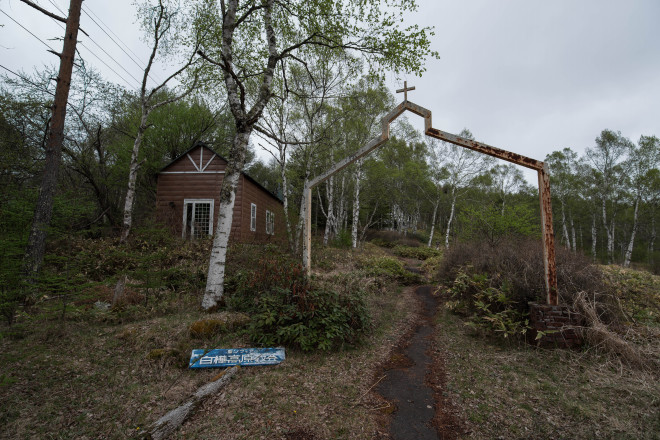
[165, 426]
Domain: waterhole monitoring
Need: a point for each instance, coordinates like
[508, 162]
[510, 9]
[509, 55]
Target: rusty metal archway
[540, 167]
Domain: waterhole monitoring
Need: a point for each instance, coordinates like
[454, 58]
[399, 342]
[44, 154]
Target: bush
[319, 319]
[490, 309]
[287, 309]
[519, 264]
[421, 253]
[388, 267]
[390, 239]
[431, 266]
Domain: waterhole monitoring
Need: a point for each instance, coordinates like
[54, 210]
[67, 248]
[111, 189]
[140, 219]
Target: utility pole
[36, 247]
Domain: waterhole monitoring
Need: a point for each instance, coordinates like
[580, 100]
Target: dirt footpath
[414, 380]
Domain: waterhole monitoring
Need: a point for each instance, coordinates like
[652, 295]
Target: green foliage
[431, 266]
[15, 213]
[390, 239]
[638, 293]
[490, 308]
[343, 240]
[494, 223]
[389, 268]
[421, 253]
[316, 320]
[287, 309]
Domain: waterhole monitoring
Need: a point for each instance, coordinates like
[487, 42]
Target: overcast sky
[524, 75]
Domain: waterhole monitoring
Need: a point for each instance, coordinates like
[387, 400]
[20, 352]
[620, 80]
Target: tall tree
[563, 177]
[36, 247]
[463, 166]
[606, 158]
[251, 38]
[364, 106]
[438, 174]
[506, 179]
[642, 161]
[160, 22]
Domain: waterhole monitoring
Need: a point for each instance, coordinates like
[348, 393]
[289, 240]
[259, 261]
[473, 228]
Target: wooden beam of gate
[518, 159]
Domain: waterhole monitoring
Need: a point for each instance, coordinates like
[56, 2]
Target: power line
[90, 51]
[28, 81]
[28, 31]
[104, 51]
[41, 88]
[110, 56]
[58, 8]
[106, 65]
[116, 38]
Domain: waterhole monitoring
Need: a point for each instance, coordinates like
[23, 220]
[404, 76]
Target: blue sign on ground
[228, 357]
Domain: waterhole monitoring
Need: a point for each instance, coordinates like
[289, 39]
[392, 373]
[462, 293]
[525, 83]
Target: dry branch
[166, 426]
[597, 333]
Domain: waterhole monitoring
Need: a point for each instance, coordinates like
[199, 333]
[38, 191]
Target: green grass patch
[420, 253]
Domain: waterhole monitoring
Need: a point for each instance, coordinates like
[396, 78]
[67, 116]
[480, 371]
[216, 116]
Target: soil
[414, 380]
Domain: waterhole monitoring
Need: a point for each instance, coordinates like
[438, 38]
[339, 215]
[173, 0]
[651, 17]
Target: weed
[388, 267]
[419, 252]
[287, 309]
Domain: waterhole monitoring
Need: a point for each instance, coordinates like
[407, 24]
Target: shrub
[519, 264]
[287, 309]
[431, 266]
[388, 267]
[421, 253]
[319, 319]
[389, 239]
[490, 309]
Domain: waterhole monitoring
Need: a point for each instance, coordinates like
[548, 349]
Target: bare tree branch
[50, 14]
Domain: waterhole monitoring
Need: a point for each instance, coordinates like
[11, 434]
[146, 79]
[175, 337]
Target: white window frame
[185, 218]
[270, 223]
[253, 217]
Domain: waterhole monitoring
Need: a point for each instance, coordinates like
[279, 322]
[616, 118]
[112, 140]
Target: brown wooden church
[187, 199]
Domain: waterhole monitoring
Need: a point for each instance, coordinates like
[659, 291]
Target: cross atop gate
[405, 90]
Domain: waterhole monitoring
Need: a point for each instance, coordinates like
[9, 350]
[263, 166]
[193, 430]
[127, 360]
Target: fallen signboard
[228, 357]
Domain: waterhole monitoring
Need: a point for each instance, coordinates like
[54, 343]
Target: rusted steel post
[548, 236]
[307, 231]
[540, 167]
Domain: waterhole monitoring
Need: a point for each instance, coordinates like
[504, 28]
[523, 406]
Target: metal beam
[518, 159]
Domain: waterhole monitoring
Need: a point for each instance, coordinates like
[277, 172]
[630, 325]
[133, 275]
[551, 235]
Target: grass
[323, 395]
[639, 293]
[111, 374]
[505, 391]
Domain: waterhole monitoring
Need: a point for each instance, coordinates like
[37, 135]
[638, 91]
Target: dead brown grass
[600, 336]
[105, 377]
[324, 396]
[519, 391]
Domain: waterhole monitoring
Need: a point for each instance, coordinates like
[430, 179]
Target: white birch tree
[642, 160]
[160, 22]
[438, 174]
[463, 166]
[606, 158]
[251, 38]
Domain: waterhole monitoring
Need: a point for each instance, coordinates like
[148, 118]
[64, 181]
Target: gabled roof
[203, 145]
